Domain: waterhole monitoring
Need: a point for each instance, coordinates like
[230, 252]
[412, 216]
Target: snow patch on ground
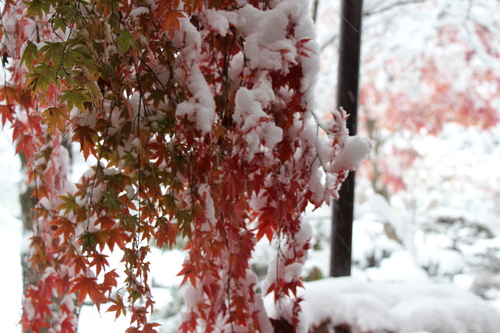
[399, 307]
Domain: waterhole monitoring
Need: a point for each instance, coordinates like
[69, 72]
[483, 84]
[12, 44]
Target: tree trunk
[347, 98]
[28, 201]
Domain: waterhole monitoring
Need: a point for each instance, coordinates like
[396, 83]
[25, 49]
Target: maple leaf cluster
[198, 114]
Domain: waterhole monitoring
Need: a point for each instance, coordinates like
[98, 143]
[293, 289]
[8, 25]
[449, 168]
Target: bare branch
[375, 11]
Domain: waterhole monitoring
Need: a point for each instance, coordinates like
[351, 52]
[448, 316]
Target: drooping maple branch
[198, 118]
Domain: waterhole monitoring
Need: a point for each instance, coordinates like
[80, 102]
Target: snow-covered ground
[396, 307]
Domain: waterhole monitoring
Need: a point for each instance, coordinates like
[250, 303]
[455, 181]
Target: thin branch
[331, 40]
[476, 43]
[315, 10]
[394, 5]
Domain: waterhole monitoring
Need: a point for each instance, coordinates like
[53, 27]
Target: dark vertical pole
[347, 98]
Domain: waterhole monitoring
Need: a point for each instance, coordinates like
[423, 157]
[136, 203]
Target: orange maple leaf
[149, 327]
[117, 237]
[118, 306]
[55, 117]
[171, 22]
[9, 95]
[106, 222]
[99, 261]
[164, 6]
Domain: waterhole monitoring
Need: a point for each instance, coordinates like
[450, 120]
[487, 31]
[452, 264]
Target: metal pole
[347, 97]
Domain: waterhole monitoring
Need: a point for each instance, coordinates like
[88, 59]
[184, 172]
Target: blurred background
[428, 198]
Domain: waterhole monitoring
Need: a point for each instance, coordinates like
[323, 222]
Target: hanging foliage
[198, 115]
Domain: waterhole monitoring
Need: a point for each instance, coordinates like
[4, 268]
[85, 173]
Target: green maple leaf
[37, 7]
[30, 54]
[111, 201]
[71, 58]
[75, 97]
[52, 50]
[69, 204]
[41, 77]
[125, 40]
[59, 23]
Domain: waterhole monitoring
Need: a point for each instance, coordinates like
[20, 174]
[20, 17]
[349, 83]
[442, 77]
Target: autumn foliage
[449, 75]
[198, 116]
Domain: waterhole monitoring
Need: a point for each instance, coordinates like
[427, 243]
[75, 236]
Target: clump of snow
[291, 251]
[266, 45]
[193, 295]
[136, 12]
[204, 192]
[219, 20]
[257, 126]
[400, 266]
[250, 103]
[199, 109]
[377, 208]
[236, 65]
[355, 150]
[370, 244]
[442, 261]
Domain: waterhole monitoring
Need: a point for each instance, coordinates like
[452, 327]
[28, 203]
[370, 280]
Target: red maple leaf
[88, 286]
[84, 135]
[64, 227]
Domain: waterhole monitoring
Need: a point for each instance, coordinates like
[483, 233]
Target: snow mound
[396, 307]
